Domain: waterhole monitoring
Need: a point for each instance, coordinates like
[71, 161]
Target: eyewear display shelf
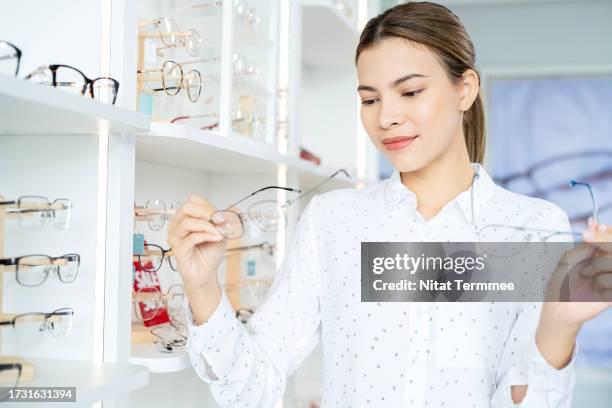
[31, 109]
[34, 118]
[175, 160]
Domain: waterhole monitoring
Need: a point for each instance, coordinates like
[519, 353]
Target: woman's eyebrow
[393, 84]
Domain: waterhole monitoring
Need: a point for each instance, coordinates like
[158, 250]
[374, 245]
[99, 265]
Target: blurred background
[546, 71]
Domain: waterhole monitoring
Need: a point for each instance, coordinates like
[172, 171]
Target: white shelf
[324, 24]
[245, 35]
[188, 147]
[149, 355]
[29, 108]
[93, 381]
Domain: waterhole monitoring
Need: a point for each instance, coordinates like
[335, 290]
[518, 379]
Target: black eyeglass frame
[163, 255]
[17, 55]
[11, 366]
[88, 85]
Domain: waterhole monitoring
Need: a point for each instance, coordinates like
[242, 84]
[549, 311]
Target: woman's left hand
[589, 281]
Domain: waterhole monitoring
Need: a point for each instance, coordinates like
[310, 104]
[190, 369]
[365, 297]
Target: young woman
[421, 108]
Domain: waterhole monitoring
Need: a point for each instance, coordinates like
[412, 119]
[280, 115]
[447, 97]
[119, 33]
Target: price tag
[138, 244]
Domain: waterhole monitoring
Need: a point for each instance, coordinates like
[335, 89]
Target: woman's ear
[469, 85]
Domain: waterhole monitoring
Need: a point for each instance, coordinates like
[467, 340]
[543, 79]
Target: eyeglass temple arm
[263, 189]
[528, 229]
[593, 200]
[243, 248]
[289, 202]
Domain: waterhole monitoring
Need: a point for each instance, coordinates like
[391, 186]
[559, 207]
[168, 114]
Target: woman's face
[410, 108]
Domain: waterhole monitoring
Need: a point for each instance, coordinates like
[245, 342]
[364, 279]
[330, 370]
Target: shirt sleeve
[247, 365]
[523, 364]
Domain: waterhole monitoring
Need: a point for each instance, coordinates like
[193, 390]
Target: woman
[421, 107]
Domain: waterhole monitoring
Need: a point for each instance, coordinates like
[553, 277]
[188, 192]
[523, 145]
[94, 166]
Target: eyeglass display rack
[116, 157]
[26, 366]
[53, 144]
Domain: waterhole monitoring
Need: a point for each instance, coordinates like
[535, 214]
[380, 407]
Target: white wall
[566, 33]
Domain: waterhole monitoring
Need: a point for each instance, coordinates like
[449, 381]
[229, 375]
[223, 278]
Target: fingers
[193, 240]
[192, 218]
[598, 235]
[189, 225]
[195, 209]
[578, 254]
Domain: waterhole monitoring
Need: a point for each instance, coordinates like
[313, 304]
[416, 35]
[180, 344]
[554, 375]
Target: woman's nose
[389, 117]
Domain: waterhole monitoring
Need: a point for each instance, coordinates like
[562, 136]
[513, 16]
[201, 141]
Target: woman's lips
[397, 143]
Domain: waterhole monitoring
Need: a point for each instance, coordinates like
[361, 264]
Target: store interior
[216, 98]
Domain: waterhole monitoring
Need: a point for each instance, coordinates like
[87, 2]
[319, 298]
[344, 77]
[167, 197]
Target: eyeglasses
[525, 234]
[173, 80]
[148, 302]
[247, 13]
[241, 121]
[248, 123]
[10, 58]
[153, 258]
[156, 213]
[244, 69]
[33, 270]
[31, 327]
[243, 10]
[168, 337]
[73, 80]
[243, 314]
[267, 215]
[170, 34]
[212, 126]
[265, 246]
[35, 211]
[542, 180]
[544, 235]
[10, 373]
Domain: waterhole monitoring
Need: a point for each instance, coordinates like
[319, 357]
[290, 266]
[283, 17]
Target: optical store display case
[217, 98]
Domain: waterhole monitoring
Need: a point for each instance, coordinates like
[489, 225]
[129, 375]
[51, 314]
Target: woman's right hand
[196, 244]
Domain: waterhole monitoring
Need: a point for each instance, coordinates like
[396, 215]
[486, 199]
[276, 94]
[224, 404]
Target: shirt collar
[397, 193]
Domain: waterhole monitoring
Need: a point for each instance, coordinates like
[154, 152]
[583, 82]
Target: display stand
[27, 369]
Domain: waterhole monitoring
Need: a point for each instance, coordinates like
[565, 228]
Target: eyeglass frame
[180, 35]
[52, 262]
[240, 215]
[572, 183]
[164, 253]
[49, 203]
[167, 345]
[89, 83]
[64, 311]
[283, 206]
[265, 246]
[17, 55]
[167, 213]
[162, 297]
[180, 86]
[12, 366]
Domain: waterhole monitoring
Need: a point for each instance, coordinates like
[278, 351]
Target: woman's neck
[439, 183]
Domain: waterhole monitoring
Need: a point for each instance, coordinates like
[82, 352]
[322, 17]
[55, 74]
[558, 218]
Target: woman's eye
[368, 101]
[412, 94]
